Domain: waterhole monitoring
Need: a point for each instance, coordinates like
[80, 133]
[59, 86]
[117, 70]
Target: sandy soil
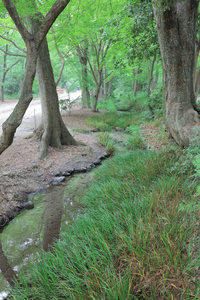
[21, 170]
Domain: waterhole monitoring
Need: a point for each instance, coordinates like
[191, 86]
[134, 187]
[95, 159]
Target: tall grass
[134, 240]
[110, 120]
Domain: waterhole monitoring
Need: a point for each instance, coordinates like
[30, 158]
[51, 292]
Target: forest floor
[22, 172]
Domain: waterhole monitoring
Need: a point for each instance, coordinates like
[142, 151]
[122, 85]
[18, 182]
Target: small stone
[65, 173]
[97, 162]
[58, 173]
[83, 169]
[58, 180]
[2, 221]
[28, 205]
[119, 129]
[70, 170]
[90, 167]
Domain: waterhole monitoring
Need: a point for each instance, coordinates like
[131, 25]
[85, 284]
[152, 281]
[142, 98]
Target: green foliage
[134, 233]
[135, 141]
[111, 120]
[103, 138]
[107, 104]
[155, 102]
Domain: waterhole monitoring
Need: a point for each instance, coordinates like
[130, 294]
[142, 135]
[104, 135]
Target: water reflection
[32, 230]
[5, 267]
[54, 211]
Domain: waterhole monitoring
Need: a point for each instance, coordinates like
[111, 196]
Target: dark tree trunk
[176, 31]
[55, 133]
[14, 120]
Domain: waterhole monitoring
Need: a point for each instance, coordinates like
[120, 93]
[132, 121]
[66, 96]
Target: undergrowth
[111, 120]
[134, 240]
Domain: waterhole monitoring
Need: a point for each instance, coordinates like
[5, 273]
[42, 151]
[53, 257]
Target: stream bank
[47, 212]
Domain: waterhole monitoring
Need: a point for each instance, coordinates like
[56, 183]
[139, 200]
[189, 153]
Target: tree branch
[50, 18]
[9, 40]
[18, 22]
[12, 54]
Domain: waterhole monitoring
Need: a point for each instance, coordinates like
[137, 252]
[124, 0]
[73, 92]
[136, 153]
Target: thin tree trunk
[82, 54]
[176, 31]
[151, 76]
[4, 74]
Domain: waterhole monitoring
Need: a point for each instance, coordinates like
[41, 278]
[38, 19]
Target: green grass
[134, 239]
[110, 120]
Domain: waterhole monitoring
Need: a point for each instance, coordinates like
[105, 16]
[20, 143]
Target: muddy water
[38, 228]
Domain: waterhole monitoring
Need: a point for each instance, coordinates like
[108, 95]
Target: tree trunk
[84, 86]
[176, 31]
[32, 43]
[14, 120]
[55, 133]
[4, 75]
[96, 97]
[82, 54]
[151, 76]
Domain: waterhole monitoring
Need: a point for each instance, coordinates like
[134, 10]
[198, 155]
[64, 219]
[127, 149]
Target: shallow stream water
[34, 229]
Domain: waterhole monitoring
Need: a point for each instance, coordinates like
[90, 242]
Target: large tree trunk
[176, 31]
[55, 133]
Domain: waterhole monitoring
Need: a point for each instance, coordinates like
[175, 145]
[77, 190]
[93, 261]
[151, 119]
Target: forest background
[111, 51]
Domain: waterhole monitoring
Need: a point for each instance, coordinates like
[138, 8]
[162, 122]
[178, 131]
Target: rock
[71, 170]
[90, 167]
[2, 221]
[119, 129]
[104, 155]
[65, 173]
[58, 173]
[28, 205]
[83, 169]
[97, 162]
[57, 180]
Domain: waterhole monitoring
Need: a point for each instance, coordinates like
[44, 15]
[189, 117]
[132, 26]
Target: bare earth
[22, 172]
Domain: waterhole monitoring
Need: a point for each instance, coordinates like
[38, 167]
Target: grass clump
[135, 239]
[105, 140]
[110, 120]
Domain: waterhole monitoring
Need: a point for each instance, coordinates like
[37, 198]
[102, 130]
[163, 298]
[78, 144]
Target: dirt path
[22, 172]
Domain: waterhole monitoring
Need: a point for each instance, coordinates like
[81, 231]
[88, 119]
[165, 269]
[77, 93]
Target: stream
[36, 229]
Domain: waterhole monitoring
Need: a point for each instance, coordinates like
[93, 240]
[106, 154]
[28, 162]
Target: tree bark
[32, 43]
[82, 55]
[176, 32]
[55, 133]
[151, 76]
